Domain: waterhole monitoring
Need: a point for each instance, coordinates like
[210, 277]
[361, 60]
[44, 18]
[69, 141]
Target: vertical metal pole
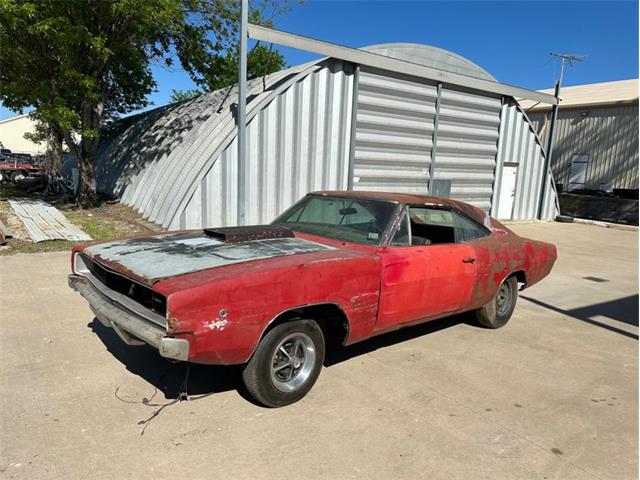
[547, 160]
[434, 139]
[242, 112]
[353, 130]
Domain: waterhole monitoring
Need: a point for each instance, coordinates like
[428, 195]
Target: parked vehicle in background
[15, 167]
[336, 267]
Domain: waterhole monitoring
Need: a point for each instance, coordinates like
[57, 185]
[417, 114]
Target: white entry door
[507, 191]
[578, 173]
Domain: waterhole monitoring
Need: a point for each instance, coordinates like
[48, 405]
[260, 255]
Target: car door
[428, 269]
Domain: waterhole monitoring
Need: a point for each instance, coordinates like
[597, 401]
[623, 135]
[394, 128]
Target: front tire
[17, 176]
[286, 363]
[498, 311]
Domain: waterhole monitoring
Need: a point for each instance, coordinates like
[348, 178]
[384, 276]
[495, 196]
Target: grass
[98, 228]
[22, 246]
[106, 221]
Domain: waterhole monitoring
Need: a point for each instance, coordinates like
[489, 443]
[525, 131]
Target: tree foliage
[183, 95]
[261, 61]
[80, 63]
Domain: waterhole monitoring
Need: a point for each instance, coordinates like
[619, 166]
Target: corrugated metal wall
[609, 135]
[394, 132]
[156, 161]
[177, 165]
[297, 143]
[467, 144]
[519, 145]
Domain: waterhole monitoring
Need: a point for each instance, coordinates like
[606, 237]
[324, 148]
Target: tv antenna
[564, 58]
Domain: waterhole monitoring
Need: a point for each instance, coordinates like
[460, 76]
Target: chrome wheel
[503, 298]
[292, 362]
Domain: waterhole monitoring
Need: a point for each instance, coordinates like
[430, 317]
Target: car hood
[150, 259]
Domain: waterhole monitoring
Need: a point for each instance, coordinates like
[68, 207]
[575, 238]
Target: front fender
[224, 318]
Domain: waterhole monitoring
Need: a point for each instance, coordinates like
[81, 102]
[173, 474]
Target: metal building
[396, 117]
[596, 140]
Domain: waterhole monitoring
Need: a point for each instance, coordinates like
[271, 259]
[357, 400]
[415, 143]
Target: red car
[336, 267]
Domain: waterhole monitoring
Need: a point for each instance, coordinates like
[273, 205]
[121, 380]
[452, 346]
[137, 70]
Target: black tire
[19, 175]
[498, 311]
[275, 378]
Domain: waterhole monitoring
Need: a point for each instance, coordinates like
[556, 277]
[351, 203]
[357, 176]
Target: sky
[510, 39]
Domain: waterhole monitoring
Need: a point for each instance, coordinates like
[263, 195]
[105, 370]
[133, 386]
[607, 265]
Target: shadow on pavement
[623, 310]
[169, 377]
[341, 354]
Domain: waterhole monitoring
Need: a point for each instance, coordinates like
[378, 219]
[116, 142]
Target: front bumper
[133, 323]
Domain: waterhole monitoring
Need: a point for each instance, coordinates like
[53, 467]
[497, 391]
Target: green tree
[183, 95]
[81, 63]
[261, 61]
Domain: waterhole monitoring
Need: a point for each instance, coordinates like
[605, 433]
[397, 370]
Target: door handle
[469, 260]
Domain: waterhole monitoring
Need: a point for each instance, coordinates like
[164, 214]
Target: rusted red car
[336, 267]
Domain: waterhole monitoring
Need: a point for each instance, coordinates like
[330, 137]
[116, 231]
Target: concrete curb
[618, 226]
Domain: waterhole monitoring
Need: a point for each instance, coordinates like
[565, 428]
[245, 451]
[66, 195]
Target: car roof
[411, 199]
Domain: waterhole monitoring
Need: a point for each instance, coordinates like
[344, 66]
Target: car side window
[433, 226]
[466, 230]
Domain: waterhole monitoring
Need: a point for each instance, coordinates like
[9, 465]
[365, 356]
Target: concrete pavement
[553, 395]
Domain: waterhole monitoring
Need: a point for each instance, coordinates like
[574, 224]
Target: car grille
[134, 290]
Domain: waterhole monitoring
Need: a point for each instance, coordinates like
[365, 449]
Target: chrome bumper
[134, 324]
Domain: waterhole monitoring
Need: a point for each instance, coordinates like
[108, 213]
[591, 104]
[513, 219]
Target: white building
[12, 132]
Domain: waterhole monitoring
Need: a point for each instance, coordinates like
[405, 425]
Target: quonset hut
[333, 125]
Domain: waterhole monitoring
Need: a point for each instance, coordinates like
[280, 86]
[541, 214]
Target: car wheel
[498, 311]
[17, 176]
[286, 363]
[3, 177]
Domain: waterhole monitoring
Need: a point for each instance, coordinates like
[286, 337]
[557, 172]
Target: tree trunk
[87, 196]
[54, 152]
[85, 153]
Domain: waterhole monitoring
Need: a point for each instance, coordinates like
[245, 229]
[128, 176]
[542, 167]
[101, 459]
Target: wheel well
[521, 277]
[329, 316]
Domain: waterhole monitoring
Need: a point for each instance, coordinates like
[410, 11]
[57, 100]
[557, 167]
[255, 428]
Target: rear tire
[286, 363]
[498, 311]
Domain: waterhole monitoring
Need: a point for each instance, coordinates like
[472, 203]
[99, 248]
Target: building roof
[431, 56]
[12, 119]
[590, 95]
[446, 73]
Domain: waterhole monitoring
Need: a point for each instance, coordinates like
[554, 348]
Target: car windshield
[348, 219]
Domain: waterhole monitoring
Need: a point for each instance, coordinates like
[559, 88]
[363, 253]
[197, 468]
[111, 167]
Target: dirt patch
[107, 221]
[11, 220]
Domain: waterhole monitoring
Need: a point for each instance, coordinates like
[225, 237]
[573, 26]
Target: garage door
[468, 129]
[394, 133]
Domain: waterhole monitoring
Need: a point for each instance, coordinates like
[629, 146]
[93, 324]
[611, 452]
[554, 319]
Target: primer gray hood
[163, 256]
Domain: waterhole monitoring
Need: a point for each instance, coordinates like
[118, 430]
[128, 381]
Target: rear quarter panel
[504, 253]
[224, 311]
